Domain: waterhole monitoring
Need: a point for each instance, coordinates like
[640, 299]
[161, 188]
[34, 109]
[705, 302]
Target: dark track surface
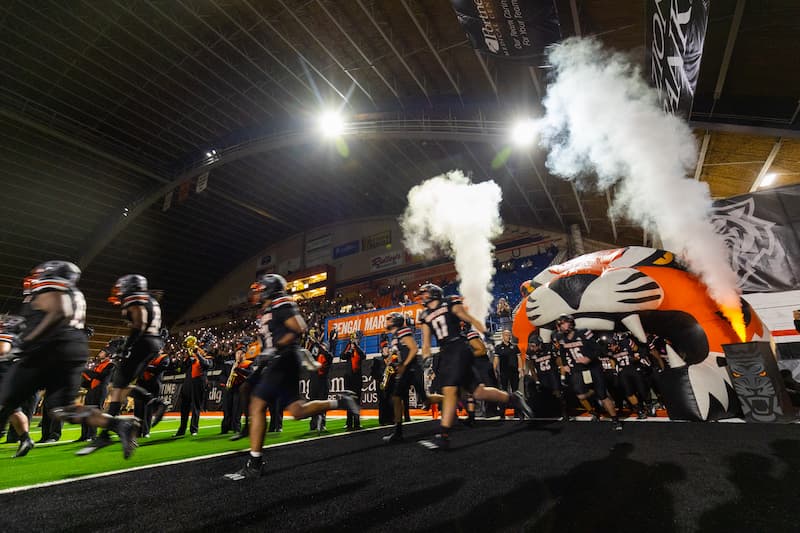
[498, 477]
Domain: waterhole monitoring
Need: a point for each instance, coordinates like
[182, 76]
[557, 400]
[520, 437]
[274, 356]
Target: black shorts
[60, 379]
[132, 366]
[581, 385]
[632, 382]
[280, 380]
[455, 368]
[550, 380]
[411, 376]
[483, 367]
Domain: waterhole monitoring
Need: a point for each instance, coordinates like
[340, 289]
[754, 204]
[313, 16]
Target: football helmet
[127, 285]
[430, 292]
[267, 287]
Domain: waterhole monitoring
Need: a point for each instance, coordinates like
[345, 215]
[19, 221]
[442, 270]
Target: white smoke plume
[603, 119]
[454, 215]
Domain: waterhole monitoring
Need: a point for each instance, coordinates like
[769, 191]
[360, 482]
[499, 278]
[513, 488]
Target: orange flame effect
[736, 318]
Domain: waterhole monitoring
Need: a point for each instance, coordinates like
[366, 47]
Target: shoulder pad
[45, 285]
[282, 301]
[455, 299]
[138, 298]
[403, 332]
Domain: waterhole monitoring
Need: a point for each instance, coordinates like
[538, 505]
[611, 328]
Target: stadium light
[768, 180]
[331, 124]
[523, 132]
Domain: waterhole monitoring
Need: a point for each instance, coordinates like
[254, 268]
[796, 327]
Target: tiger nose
[572, 288]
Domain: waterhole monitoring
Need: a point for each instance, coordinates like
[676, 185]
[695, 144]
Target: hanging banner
[509, 29]
[376, 240]
[202, 182]
[676, 31]
[370, 322]
[762, 230]
[167, 201]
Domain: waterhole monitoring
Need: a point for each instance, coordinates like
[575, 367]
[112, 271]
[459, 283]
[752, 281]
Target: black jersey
[67, 329]
[273, 322]
[607, 362]
[659, 344]
[152, 311]
[581, 344]
[446, 326]
[627, 356]
[401, 346]
[542, 360]
[322, 356]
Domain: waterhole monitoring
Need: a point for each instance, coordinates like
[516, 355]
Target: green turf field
[51, 462]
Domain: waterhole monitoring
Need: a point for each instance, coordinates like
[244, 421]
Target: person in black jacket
[193, 390]
[319, 387]
[354, 355]
[507, 356]
[96, 382]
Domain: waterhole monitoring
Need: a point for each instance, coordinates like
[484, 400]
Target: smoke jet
[449, 213]
[602, 119]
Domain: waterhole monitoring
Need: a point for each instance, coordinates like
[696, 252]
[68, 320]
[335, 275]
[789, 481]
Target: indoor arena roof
[107, 105]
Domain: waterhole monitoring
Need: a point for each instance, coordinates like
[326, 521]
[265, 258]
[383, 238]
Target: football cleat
[348, 401]
[253, 468]
[25, 446]
[95, 444]
[307, 361]
[127, 431]
[393, 438]
[437, 443]
[517, 400]
[158, 414]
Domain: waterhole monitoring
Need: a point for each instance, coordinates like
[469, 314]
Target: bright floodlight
[331, 124]
[523, 133]
[768, 179]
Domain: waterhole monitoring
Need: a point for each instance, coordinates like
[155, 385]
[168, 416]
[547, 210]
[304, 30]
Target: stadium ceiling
[107, 105]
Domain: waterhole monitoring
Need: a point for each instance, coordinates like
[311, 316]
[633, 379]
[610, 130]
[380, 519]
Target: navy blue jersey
[446, 326]
[273, 322]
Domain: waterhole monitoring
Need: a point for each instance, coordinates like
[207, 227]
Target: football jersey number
[544, 365]
[78, 311]
[265, 332]
[155, 324]
[439, 325]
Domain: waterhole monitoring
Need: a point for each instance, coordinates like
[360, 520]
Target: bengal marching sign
[371, 322]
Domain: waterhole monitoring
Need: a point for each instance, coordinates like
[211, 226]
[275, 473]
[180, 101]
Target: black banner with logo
[511, 29]
[171, 387]
[762, 230]
[676, 31]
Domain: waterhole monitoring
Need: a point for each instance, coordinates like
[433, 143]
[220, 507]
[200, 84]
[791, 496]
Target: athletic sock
[255, 455]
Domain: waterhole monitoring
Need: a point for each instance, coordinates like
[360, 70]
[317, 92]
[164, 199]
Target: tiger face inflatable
[645, 290]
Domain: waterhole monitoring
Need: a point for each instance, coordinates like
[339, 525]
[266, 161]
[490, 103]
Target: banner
[348, 248]
[318, 242]
[762, 230]
[384, 261]
[370, 322]
[510, 29]
[202, 183]
[167, 201]
[675, 36]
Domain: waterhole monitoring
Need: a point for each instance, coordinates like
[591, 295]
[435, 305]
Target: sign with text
[676, 32]
[348, 248]
[377, 240]
[370, 322]
[384, 261]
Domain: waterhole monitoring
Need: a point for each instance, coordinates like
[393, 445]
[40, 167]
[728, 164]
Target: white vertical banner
[202, 182]
[167, 201]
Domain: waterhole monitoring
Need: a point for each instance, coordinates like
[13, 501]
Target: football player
[282, 327]
[407, 372]
[578, 358]
[441, 318]
[142, 312]
[543, 369]
[629, 371]
[53, 350]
